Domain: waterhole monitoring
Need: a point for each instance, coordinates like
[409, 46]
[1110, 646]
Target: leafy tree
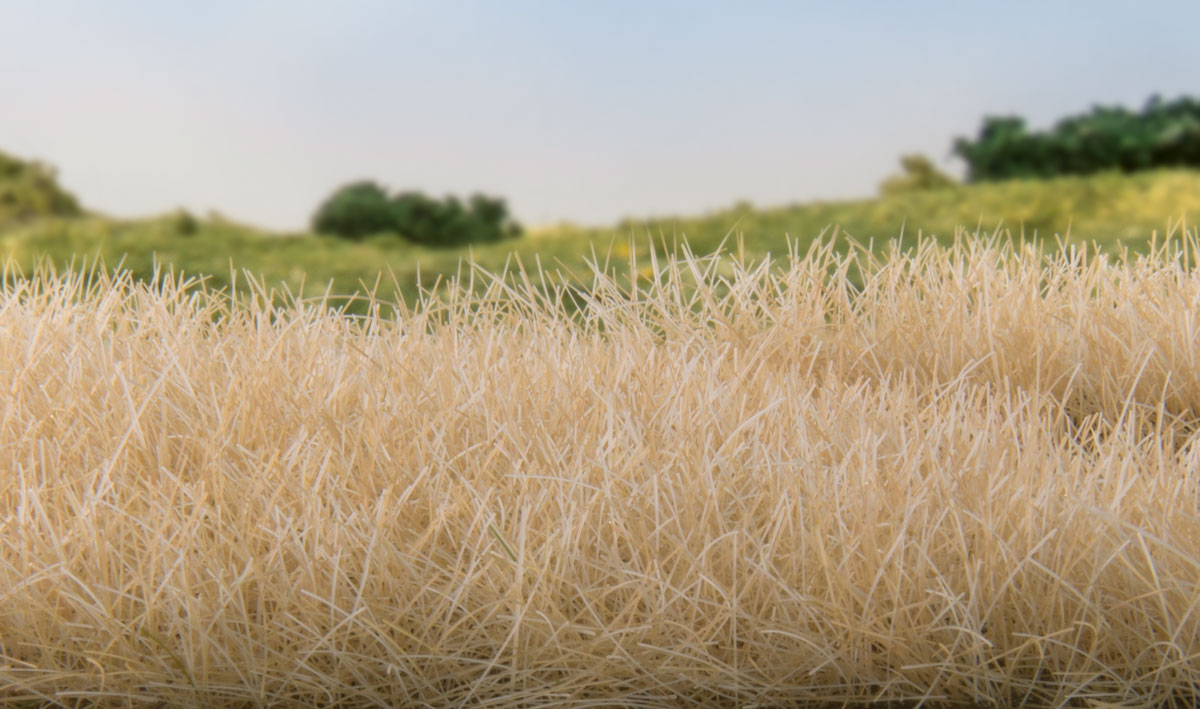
[365, 208]
[355, 211]
[1162, 134]
[493, 214]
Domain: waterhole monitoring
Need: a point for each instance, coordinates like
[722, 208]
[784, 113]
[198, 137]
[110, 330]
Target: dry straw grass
[974, 481]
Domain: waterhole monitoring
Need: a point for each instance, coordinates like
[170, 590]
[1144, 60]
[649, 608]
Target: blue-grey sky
[574, 110]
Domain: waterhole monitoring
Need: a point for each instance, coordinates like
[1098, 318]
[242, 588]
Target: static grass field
[1108, 209]
[970, 479]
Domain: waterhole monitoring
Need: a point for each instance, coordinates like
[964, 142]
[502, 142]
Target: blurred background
[326, 139]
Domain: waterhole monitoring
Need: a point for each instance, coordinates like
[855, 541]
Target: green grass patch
[1109, 210]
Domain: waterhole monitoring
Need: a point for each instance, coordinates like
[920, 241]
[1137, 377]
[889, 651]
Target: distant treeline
[1162, 134]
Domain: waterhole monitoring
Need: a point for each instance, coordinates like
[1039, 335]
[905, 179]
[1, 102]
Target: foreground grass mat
[970, 477]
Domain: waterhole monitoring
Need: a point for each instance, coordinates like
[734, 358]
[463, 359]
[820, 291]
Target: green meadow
[1110, 210]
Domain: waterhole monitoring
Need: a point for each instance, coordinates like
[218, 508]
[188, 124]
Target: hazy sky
[583, 110]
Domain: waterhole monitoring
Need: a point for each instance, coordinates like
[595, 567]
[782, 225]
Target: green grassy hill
[1108, 209]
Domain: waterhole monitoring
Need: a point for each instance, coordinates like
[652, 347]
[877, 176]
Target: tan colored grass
[976, 481]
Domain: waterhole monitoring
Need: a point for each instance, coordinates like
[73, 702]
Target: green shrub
[185, 223]
[30, 189]
[919, 174]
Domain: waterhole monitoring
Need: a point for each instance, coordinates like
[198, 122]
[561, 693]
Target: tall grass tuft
[973, 477]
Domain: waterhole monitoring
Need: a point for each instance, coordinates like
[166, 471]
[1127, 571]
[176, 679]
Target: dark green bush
[30, 189]
[1162, 134]
[364, 208]
[355, 211]
[185, 223]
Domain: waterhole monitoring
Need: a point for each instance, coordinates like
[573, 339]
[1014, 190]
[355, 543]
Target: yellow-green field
[970, 477]
[1108, 209]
